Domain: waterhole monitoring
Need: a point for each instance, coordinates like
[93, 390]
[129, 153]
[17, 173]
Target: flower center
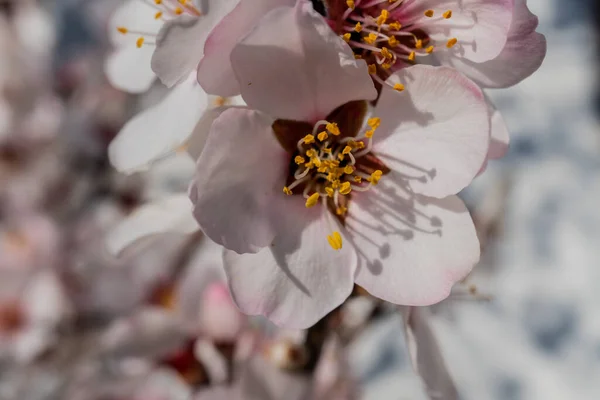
[328, 165]
[165, 10]
[380, 32]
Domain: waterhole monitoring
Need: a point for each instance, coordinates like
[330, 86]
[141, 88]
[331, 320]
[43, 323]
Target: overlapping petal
[292, 66]
[412, 249]
[481, 26]
[159, 130]
[240, 174]
[180, 43]
[215, 73]
[521, 56]
[299, 278]
[436, 131]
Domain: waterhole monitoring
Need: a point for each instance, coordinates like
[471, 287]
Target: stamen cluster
[370, 28]
[330, 168]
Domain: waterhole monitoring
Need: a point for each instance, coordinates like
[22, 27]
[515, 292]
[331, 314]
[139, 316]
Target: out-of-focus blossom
[295, 258]
[32, 305]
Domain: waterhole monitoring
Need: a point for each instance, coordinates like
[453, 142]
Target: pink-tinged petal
[293, 66]
[481, 26]
[412, 249]
[239, 181]
[426, 355]
[159, 131]
[522, 55]
[215, 73]
[436, 131]
[299, 278]
[170, 215]
[220, 319]
[128, 69]
[180, 43]
[197, 141]
[500, 138]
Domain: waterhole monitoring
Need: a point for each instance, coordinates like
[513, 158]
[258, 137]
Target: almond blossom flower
[494, 42]
[176, 123]
[306, 206]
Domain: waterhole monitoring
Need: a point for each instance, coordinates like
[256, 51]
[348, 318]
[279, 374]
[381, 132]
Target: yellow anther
[140, 42]
[348, 169]
[335, 183]
[385, 14]
[350, 4]
[326, 150]
[392, 41]
[287, 190]
[447, 14]
[158, 2]
[357, 179]
[312, 200]
[309, 165]
[308, 139]
[333, 128]
[322, 136]
[357, 57]
[451, 43]
[358, 27]
[179, 11]
[330, 192]
[429, 13]
[419, 44]
[316, 161]
[360, 145]
[341, 210]
[122, 30]
[372, 69]
[396, 26]
[346, 37]
[374, 122]
[299, 160]
[399, 87]
[386, 65]
[158, 15]
[347, 150]
[411, 56]
[386, 53]
[369, 134]
[311, 152]
[430, 49]
[335, 240]
[371, 38]
[375, 177]
[345, 188]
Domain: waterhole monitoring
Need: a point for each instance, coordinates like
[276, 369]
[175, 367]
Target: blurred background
[528, 329]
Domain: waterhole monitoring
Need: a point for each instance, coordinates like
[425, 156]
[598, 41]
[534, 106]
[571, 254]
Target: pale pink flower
[384, 217]
[32, 305]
